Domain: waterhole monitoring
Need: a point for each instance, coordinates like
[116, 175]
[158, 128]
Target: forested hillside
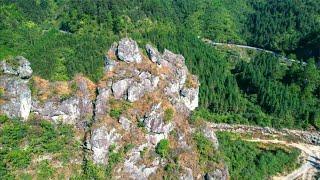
[63, 38]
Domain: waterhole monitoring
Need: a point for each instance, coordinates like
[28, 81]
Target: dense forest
[64, 37]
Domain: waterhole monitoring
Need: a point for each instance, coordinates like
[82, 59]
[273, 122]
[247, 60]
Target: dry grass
[61, 88]
[42, 88]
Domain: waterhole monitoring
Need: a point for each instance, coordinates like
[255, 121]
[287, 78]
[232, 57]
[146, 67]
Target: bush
[18, 158]
[163, 148]
[168, 115]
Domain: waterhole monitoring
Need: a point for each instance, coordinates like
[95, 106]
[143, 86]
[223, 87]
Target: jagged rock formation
[16, 94]
[139, 102]
[134, 98]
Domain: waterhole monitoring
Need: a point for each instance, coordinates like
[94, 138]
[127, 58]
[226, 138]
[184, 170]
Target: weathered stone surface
[209, 133]
[147, 83]
[101, 139]
[125, 123]
[109, 64]
[153, 54]
[218, 174]
[120, 88]
[67, 111]
[187, 174]
[154, 121]
[21, 67]
[17, 97]
[136, 170]
[190, 97]
[24, 69]
[101, 101]
[128, 51]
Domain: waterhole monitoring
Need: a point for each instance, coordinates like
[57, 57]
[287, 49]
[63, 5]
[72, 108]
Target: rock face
[16, 98]
[75, 109]
[128, 51]
[101, 139]
[120, 88]
[154, 121]
[139, 102]
[218, 174]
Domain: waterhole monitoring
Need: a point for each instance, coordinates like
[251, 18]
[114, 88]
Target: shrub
[168, 115]
[115, 113]
[45, 170]
[163, 148]
[18, 158]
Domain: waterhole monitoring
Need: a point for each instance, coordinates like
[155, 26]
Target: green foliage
[163, 148]
[209, 157]
[118, 107]
[115, 113]
[168, 115]
[45, 170]
[263, 162]
[23, 141]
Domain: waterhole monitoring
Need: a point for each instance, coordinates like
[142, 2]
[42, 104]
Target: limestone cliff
[144, 97]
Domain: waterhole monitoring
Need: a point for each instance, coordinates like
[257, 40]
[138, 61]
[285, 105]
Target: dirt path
[307, 142]
[288, 60]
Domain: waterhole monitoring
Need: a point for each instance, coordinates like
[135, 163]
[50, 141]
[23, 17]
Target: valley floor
[310, 149]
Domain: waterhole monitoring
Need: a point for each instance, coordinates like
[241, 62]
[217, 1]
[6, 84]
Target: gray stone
[128, 51]
[125, 123]
[120, 88]
[24, 69]
[17, 97]
[187, 174]
[101, 101]
[153, 54]
[154, 121]
[209, 133]
[147, 83]
[218, 174]
[190, 97]
[136, 170]
[109, 64]
[101, 140]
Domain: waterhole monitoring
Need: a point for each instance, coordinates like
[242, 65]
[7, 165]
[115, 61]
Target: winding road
[307, 142]
[288, 60]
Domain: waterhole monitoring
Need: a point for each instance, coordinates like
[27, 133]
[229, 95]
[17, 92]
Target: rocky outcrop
[153, 54]
[210, 135]
[139, 102]
[75, 108]
[101, 140]
[154, 121]
[218, 174]
[16, 98]
[146, 84]
[120, 88]
[128, 51]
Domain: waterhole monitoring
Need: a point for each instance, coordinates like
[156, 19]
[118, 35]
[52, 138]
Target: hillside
[129, 87]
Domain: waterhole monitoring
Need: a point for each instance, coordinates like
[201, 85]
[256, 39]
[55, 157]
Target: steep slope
[133, 123]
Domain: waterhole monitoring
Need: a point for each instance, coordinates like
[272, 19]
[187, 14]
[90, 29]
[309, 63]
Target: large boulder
[190, 97]
[154, 121]
[218, 174]
[101, 140]
[24, 69]
[101, 101]
[17, 66]
[147, 83]
[153, 54]
[120, 88]
[128, 51]
[16, 98]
